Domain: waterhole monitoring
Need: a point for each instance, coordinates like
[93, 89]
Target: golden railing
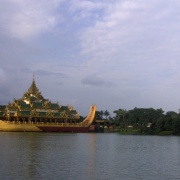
[46, 123]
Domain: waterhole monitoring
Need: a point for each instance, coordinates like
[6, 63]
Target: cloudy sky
[112, 53]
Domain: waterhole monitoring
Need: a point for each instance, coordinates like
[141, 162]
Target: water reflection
[91, 156]
[88, 156]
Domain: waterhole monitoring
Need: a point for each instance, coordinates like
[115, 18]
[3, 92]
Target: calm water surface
[88, 156]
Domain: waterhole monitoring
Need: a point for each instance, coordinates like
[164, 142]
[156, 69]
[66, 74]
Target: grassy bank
[133, 131]
[130, 131]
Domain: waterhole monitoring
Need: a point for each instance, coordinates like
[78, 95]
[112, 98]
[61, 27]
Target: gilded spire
[33, 93]
[33, 88]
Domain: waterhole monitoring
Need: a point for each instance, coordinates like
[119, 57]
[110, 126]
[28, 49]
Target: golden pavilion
[33, 107]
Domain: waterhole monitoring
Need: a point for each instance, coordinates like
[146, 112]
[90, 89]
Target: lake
[89, 156]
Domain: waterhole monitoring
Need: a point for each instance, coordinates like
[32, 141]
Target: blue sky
[115, 54]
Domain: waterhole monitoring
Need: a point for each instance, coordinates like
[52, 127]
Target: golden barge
[33, 113]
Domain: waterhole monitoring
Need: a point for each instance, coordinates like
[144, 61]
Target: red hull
[63, 129]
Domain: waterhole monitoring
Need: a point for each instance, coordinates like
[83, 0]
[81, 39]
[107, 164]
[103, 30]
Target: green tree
[120, 117]
[101, 114]
[106, 113]
[176, 125]
[98, 115]
[160, 124]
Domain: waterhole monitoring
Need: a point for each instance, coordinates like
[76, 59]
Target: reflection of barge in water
[34, 113]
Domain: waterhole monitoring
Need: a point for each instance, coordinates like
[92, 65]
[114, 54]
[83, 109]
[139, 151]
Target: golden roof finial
[33, 93]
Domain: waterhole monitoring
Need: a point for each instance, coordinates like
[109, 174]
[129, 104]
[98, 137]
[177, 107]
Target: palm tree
[101, 114]
[106, 113]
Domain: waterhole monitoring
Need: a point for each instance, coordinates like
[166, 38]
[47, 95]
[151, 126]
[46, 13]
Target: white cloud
[127, 51]
[128, 23]
[108, 32]
[26, 19]
[85, 5]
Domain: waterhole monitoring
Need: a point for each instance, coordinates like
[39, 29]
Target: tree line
[101, 114]
[146, 120]
[149, 120]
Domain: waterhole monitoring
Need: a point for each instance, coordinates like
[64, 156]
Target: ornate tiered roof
[33, 94]
[34, 105]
